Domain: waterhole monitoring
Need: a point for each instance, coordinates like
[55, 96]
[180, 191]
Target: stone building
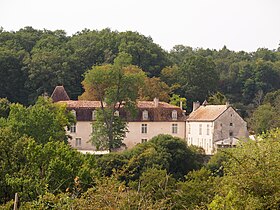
[208, 126]
[214, 126]
[152, 118]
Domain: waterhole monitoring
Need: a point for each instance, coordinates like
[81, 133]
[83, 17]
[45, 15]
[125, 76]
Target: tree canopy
[116, 87]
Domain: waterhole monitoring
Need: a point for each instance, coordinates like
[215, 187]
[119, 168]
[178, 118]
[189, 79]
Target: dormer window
[93, 116]
[74, 113]
[145, 115]
[116, 113]
[174, 115]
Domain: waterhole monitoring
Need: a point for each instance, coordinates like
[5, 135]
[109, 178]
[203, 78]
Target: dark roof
[59, 94]
[162, 112]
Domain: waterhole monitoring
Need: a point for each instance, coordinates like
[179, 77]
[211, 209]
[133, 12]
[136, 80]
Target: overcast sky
[238, 24]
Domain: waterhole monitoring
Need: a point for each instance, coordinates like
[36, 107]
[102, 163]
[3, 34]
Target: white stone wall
[135, 135]
[228, 123]
[203, 139]
[83, 131]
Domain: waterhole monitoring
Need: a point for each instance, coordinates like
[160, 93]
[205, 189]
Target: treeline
[35, 61]
[163, 173]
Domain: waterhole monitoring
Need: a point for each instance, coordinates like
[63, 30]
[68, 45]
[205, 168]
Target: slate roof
[162, 112]
[59, 94]
[207, 113]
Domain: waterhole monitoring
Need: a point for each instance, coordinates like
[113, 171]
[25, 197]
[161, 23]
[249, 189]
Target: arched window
[145, 115]
[174, 115]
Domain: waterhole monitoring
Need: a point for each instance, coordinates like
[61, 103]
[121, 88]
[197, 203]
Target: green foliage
[217, 162]
[181, 158]
[154, 88]
[32, 169]
[266, 116]
[116, 87]
[4, 107]
[177, 100]
[100, 131]
[251, 178]
[197, 191]
[217, 99]
[147, 55]
[155, 183]
[162, 152]
[198, 78]
[43, 121]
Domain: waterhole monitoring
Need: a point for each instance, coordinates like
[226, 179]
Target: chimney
[181, 105]
[196, 105]
[227, 104]
[156, 102]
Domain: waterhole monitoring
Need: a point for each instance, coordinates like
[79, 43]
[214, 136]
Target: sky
[238, 24]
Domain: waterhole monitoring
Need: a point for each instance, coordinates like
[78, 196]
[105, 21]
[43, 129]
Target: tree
[217, 99]
[198, 78]
[4, 107]
[32, 169]
[177, 100]
[196, 191]
[13, 74]
[154, 88]
[116, 87]
[147, 55]
[49, 65]
[100, 132]
[44, 121]
[251, 179]
[266, 116]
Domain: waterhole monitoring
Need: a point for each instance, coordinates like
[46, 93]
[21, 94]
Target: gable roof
[59, 94]
[207, 113]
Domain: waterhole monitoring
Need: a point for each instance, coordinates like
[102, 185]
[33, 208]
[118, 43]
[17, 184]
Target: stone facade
[215, 126]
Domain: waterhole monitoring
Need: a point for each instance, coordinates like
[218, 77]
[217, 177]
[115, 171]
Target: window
[174, 128]
[230, 133]
[116, 113]
[73, 128]
[174, 115]
[208, 128]
[189, 128]
[144, 128]
[143, 140]
[93, 115]
[230, 124]
[78, 142]
[145, 115]
[200, 129]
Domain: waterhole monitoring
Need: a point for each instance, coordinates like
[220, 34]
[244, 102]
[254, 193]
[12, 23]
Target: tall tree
[155, 88]
[145, 53]
[116, 87]
[198, 78]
